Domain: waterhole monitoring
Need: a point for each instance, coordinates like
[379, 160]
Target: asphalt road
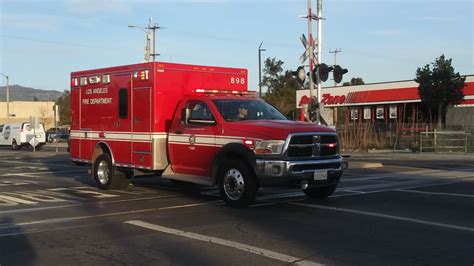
[410, 212]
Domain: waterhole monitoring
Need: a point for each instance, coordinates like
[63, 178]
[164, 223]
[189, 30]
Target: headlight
[269, 147]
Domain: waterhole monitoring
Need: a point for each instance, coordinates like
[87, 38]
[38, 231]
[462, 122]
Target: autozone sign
[328, 99]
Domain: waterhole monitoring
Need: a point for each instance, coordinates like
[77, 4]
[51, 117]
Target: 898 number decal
[234, 80]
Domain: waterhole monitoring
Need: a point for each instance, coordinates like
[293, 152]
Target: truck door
[192, 143]
[141, 126]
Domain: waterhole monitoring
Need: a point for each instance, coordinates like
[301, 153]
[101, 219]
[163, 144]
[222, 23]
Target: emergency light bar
[226, 92]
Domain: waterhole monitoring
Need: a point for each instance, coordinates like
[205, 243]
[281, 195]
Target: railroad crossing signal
[338, 72]
[305, 43]
[300, 74]
[322, 71]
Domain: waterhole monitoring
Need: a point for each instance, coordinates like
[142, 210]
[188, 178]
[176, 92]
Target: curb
[364, 165]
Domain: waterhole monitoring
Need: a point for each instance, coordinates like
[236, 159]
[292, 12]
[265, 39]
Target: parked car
[57, 134]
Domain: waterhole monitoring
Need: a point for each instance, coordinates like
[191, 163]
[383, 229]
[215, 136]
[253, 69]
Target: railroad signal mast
[318, 71]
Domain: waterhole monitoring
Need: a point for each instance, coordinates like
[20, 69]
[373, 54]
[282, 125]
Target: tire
[237, 184]
[107, 176]
[320, 192]
[15, 146]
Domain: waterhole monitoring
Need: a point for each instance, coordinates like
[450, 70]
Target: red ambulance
[194, 124]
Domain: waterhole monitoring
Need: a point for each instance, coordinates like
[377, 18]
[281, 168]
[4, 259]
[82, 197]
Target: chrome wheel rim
[103, 172]
[234, 184]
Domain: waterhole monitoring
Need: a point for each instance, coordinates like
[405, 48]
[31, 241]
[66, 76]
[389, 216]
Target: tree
[281, 86]
[439, 87]
[44, 114]
[64, 102]
[354, 81]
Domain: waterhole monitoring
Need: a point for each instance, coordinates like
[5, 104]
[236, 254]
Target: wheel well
[231, 155]
[99, 149]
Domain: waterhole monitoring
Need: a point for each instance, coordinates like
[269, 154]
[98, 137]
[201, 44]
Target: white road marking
[12, 201]
[43, 172]
[387, 216]
[22, 175]
[86, 191]
[39, 209]
[76, 218]
[223, 242]
[421, 186]
[435, 193]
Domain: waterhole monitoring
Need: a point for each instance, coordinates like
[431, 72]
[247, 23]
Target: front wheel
[237, 184]
[320, 192]
[107, 176]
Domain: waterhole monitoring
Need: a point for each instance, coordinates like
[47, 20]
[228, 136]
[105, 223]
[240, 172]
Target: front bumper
[282, 172]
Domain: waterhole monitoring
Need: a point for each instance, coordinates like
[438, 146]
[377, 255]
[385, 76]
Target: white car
[21, 134]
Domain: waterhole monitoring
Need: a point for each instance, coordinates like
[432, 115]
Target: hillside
[20, 93]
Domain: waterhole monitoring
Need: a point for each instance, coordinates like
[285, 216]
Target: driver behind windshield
[243, 112]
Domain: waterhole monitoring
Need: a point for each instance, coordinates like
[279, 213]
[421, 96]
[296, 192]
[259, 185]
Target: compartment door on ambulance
[141, 126]
[193, 142]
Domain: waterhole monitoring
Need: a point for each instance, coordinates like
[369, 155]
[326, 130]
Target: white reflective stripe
[178, 138]
[223, 242]
[227, 141]
[117, 136]
[204, 140]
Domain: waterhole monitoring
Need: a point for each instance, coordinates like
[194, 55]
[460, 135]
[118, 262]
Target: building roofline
[385, 82]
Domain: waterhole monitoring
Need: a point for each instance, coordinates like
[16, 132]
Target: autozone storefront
[389, 104]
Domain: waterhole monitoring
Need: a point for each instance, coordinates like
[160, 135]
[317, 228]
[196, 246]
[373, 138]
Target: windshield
[237, 110]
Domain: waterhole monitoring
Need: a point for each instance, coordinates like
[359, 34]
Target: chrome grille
[312, 145]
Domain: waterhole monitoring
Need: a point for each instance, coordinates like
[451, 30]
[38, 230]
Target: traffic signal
[300, 74]
[338, 73]
[323, 71]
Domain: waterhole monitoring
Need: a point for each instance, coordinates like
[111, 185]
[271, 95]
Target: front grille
[312, 145]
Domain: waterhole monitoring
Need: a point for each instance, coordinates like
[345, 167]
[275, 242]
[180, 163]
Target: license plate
[321, 175]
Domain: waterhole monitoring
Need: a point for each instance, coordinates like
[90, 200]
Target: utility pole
[8, 97]
[147, 47]
[154, 27]
[335, 52]
[260, 50]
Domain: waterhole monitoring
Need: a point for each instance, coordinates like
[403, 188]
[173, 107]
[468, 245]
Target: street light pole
[8, 97]
[260, 50]
[147, 48]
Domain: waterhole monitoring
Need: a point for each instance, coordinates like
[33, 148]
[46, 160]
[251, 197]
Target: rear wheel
[237, 184]
[15, 145]
[107, 176]
[320, 192]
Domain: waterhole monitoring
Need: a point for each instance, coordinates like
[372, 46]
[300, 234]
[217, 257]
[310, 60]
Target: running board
[201, 180]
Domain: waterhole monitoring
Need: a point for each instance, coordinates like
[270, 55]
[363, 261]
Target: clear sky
[42, 41]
